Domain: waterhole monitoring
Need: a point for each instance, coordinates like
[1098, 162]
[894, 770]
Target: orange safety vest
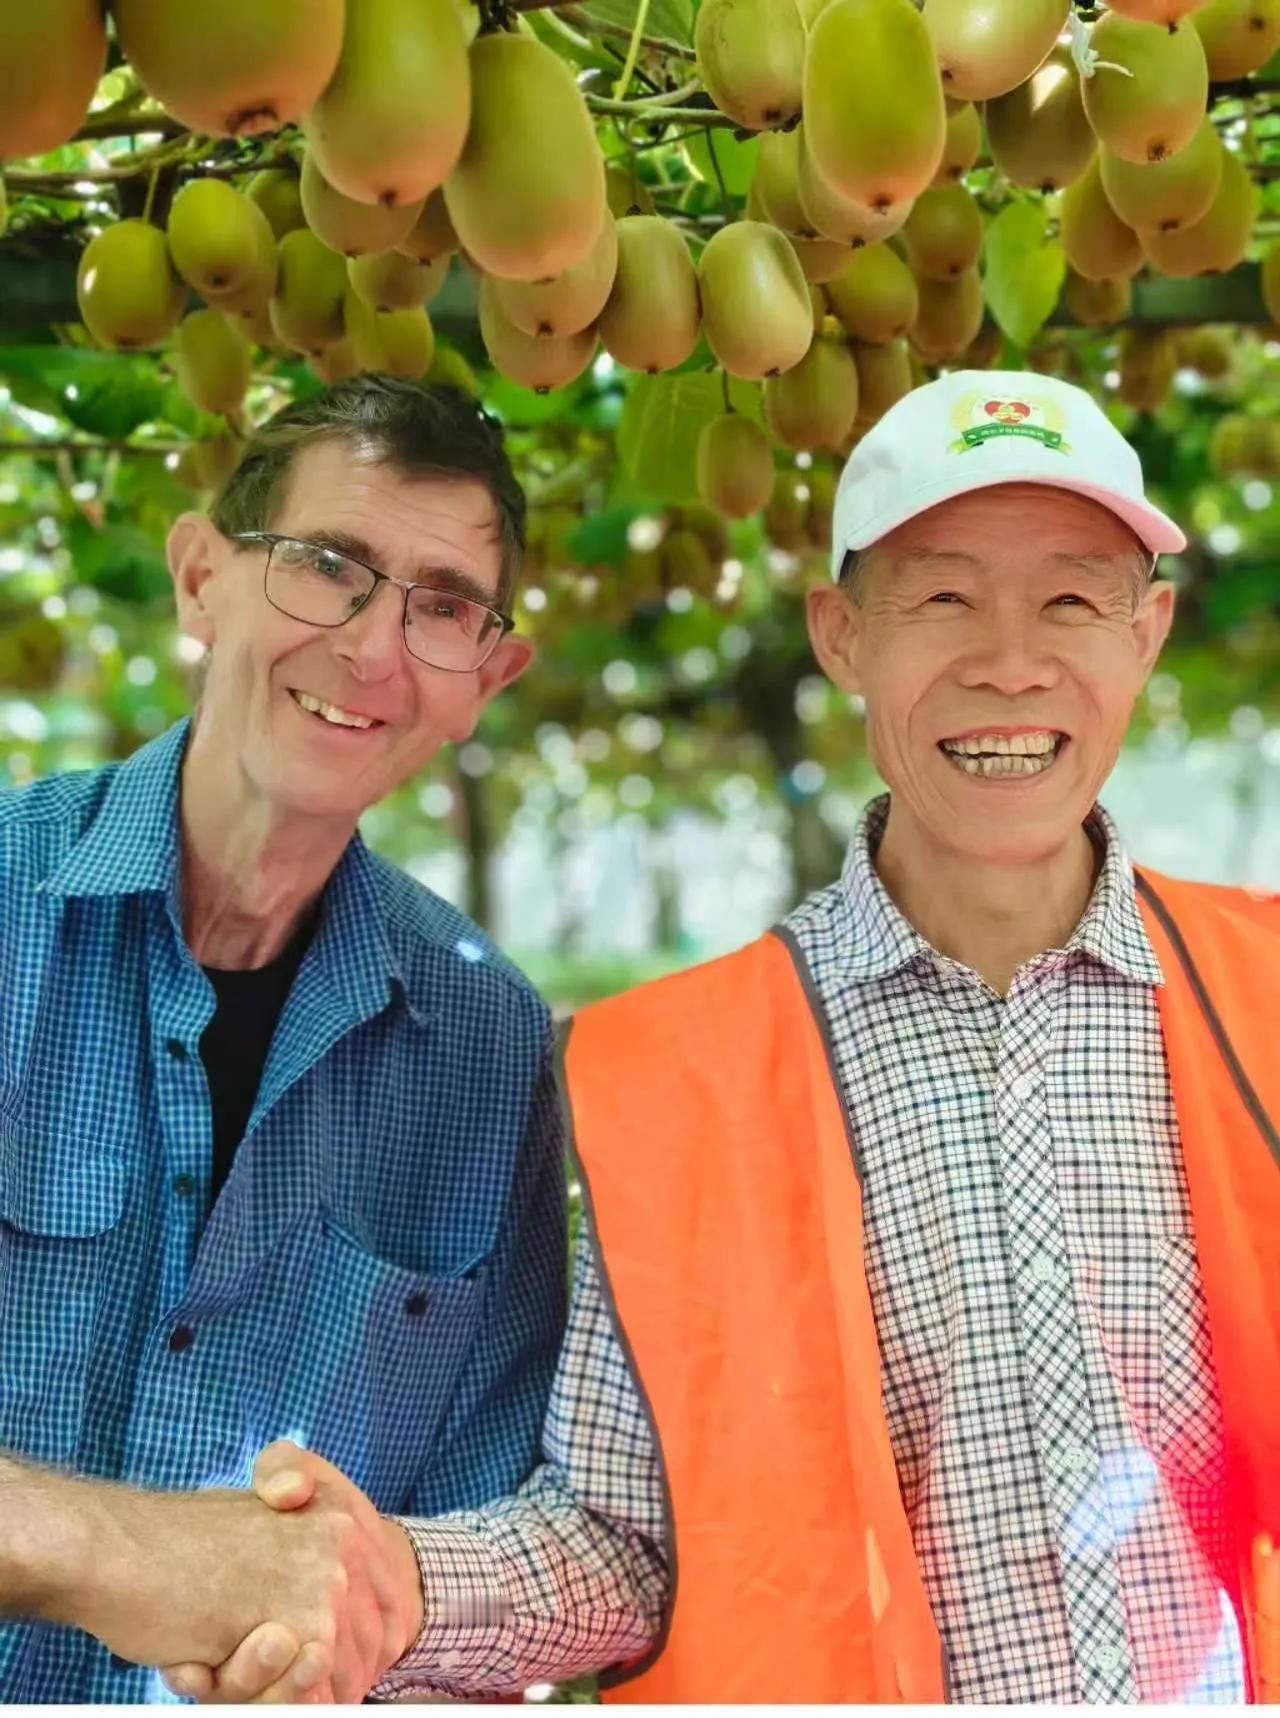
[719, 1166]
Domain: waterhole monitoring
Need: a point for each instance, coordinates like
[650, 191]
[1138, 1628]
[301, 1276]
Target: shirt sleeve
[568, 1575]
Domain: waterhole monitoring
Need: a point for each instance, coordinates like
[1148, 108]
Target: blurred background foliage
[673, 772]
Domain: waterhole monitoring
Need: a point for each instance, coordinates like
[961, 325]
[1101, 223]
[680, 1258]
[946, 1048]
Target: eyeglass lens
[325, 588]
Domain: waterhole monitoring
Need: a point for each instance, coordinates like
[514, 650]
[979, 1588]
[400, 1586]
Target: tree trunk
[477, 837]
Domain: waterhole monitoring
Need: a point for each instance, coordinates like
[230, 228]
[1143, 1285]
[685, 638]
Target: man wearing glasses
[279, 1153]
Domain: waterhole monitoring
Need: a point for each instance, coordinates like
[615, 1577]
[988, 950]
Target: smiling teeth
[1002, 766]
[331, 712]
[1017, 745]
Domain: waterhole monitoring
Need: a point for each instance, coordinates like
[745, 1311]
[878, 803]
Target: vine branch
[652, 108]
[52, 448]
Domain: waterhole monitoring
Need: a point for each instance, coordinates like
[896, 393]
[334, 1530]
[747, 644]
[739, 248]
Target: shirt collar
[132, 847]
[1111, 930]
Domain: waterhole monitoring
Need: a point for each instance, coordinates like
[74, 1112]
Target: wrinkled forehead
[1022, 521]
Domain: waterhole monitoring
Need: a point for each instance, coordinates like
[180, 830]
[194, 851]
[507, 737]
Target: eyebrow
[451, 579]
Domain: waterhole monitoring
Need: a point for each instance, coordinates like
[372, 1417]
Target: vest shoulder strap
[1226, 904]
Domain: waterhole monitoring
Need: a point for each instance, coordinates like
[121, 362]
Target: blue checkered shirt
[382, 1277]
[1046, 1368]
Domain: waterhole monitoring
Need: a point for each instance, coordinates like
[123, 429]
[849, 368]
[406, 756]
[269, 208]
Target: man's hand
[383, 1610]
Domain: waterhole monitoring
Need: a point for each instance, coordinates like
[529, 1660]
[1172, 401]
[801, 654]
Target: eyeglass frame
[271, 538]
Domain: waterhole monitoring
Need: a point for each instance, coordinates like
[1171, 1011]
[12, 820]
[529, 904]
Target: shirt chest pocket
[379, 1351]
[61, 1201]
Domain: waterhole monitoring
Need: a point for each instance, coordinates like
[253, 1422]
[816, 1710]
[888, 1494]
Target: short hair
[421, 430]
[853, 572]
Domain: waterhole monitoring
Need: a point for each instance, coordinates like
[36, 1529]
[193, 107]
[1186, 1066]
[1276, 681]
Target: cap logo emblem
[979, 419]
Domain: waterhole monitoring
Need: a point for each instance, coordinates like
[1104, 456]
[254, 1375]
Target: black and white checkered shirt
[1047, 1377]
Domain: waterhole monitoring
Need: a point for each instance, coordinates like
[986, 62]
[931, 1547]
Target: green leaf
[104, 393]
[177, 409]
[701, 358]
[747, 398]
[661, 422]
[522, 408]
[659, 429]
[121, 561]
[602, 537]
[1024, 273]
[736, 159]
[670, 20]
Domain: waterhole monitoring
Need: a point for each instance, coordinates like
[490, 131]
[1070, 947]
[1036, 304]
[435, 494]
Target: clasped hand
[310, 1599]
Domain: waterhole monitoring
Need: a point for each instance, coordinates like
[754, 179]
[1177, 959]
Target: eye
[1073, 597]
[313, 558]
[941, 595]
[439, 608]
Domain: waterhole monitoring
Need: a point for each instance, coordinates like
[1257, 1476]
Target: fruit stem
[715, 162]
[724, 384]
[561, 28]
[633, 51]
[152, 182]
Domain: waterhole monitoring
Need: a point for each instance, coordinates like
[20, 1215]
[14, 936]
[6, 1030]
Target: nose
[372, 641]
[1012, 654]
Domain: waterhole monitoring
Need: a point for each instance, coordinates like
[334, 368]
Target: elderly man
[280, 1156]
[940, 1223]
[929, 1324]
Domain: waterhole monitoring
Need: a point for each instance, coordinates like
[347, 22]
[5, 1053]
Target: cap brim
[1155, 528]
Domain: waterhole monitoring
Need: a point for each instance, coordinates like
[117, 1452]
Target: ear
[835, 631]
[509, 661]
[195, 549]
[1152, 622]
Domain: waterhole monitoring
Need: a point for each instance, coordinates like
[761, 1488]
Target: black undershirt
[234, 1045]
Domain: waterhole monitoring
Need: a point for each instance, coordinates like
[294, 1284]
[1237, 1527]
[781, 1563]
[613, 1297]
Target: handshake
[298, 1591]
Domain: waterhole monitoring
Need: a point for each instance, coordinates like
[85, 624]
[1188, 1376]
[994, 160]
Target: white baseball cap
[977, 428]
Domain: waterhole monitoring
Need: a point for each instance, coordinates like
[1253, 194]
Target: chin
[318, 799]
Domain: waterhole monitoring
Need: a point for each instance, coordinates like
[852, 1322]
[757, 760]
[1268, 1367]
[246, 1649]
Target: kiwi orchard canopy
[757, 232]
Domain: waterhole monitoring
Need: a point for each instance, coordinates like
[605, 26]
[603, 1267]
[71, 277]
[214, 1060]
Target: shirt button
[416, 1305]
[183, 1186]
[1076, 1458]
[177, 1049]
[1108, 1658]
[1021, 1088]
[450, 1660]
[1044, 1269]
[181, 1339]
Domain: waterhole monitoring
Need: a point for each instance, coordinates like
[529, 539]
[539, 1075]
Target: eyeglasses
[324, 587]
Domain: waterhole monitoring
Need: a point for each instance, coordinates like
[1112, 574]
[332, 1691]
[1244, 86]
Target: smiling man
[938, 1226]
[279, 1150]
